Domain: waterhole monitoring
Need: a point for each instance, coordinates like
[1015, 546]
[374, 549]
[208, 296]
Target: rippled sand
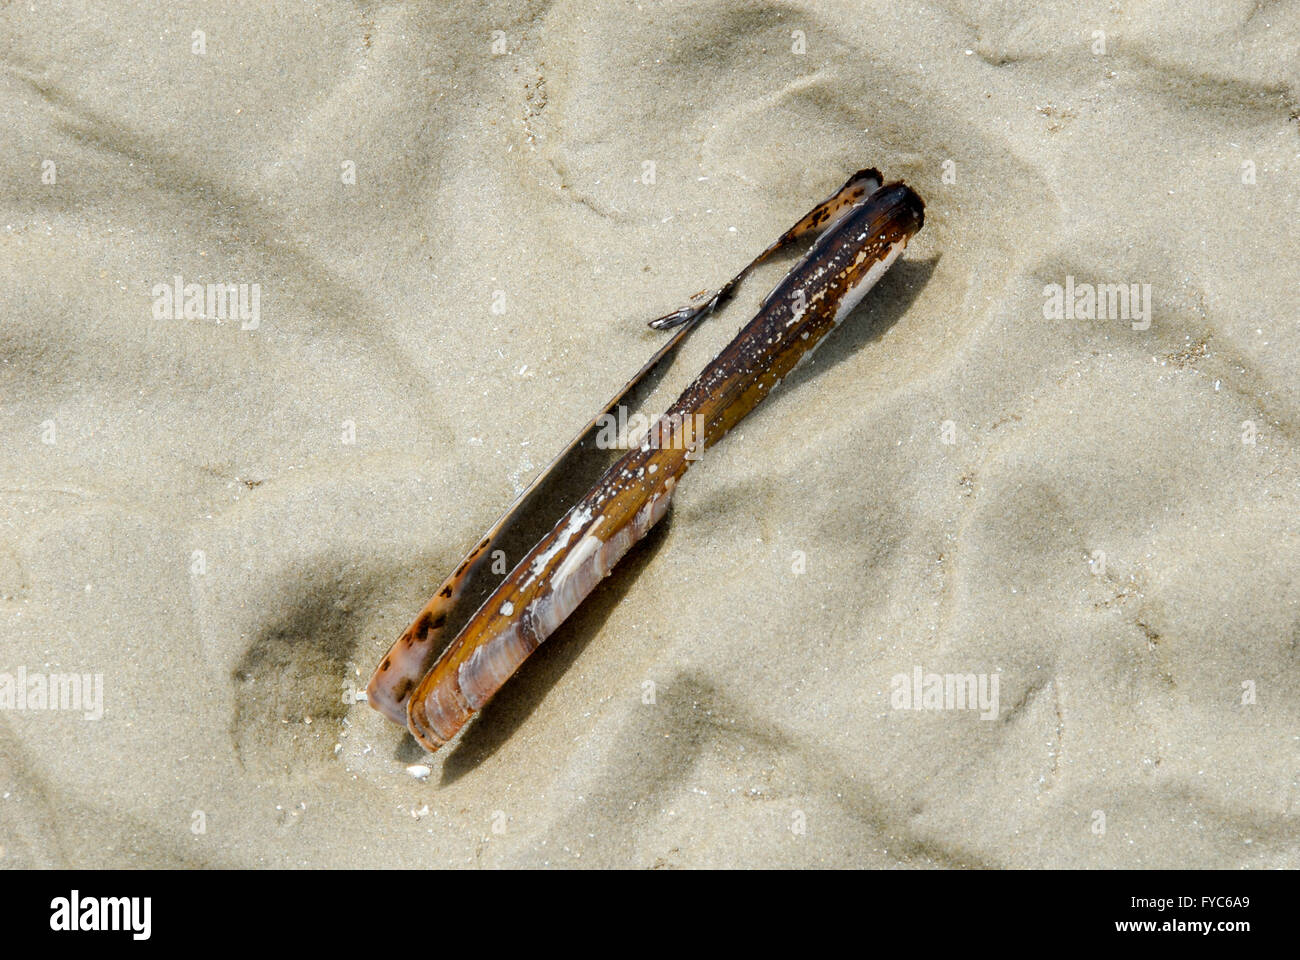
[228, 522]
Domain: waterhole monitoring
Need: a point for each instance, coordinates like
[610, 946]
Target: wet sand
[454, 250]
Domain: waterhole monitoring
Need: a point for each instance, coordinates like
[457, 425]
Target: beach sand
[455, 249]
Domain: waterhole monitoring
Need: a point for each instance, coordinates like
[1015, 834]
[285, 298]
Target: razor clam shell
[585, 565]
[822, 288]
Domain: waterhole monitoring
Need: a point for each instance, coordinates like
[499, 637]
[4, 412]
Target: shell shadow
[506, 712]
[883, 307]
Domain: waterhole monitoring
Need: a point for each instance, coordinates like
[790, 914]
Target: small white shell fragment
[418, 770]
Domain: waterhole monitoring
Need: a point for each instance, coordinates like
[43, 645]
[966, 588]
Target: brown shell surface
[411, 655]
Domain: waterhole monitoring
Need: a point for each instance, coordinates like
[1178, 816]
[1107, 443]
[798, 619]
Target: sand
[228, 521]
